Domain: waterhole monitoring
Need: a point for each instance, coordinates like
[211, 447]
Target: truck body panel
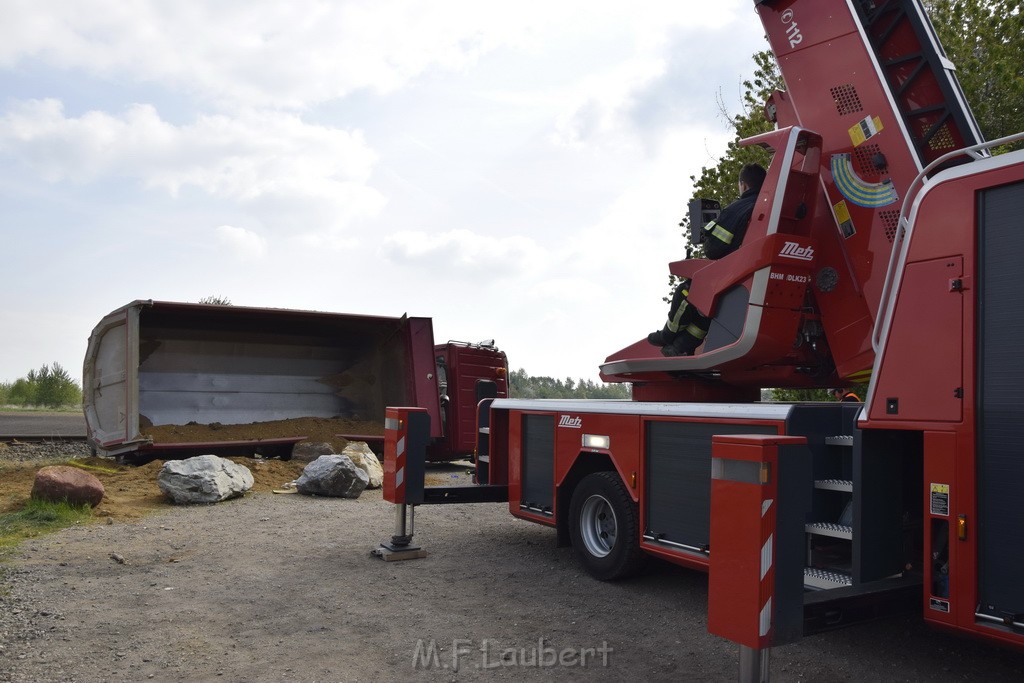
[468, 374]
[153, 363]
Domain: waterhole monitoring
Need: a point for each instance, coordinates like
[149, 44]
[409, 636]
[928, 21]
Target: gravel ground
[20, 622]
[282, 588]
[43, 451]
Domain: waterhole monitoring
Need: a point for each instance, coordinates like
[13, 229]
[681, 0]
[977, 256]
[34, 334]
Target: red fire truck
[884, 246]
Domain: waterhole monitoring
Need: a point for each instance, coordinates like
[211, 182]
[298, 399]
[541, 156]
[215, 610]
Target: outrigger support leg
[406, 433]
[754, 665]
[401, 547]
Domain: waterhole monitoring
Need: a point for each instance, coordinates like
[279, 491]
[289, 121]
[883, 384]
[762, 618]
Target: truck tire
[604, 527]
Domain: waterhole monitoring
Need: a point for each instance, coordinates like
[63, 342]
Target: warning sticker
[842, 214]
[865, 129]
[939, 499]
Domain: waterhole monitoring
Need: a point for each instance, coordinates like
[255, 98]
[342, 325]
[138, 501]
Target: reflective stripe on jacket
[724, 235]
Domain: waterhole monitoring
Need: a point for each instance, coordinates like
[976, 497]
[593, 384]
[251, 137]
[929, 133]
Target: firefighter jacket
[724, 235]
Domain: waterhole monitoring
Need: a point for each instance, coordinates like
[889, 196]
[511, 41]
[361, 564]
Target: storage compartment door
[1001, 404]
[678, 480]
[538, 463]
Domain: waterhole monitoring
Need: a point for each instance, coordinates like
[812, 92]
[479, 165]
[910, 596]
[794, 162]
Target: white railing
[901, 243]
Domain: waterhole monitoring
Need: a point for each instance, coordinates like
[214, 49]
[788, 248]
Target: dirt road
[65, 425]
[283, 588]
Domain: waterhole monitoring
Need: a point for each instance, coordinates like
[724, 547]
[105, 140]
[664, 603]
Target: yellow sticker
[865, 129]
[938, 503]
[842, 214]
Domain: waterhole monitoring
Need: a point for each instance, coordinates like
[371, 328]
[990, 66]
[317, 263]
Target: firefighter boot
[690, 336]
[661, 338]
[680, 315]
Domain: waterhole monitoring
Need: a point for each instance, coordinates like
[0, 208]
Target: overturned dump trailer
[154, 364]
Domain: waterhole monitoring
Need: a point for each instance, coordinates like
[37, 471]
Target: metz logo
[794, 250]
[574, 422]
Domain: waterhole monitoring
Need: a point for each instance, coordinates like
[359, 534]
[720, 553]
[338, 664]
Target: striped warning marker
[767, 587]
[395, 440]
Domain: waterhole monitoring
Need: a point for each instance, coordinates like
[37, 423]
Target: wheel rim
[598, 526]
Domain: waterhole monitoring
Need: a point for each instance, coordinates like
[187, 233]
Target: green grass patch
[16, 409]
[90, 468]
[39, 517]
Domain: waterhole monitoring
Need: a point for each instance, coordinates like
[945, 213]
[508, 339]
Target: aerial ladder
[869, 101]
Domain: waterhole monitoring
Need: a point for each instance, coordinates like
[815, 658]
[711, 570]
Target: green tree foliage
[215, 300]
[801, 395]
[983, 38]
[522, 385]
[719, 182]
[51, 387]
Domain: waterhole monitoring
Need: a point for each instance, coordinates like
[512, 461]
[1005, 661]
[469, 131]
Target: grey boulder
[332, 475]
[365, 459]
[308, 451]
[203, 479]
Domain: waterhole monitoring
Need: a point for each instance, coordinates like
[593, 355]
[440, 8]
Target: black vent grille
[846, 98]
[891, 221]
[864, 160]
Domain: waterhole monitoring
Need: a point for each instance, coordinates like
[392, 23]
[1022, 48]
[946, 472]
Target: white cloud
[463, 252]
[324, 127]
[603, 100]
[282, 54]
[245, 244]
[293, 53]
[297, 175]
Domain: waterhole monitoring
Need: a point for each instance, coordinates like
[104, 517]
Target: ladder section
[919, 77]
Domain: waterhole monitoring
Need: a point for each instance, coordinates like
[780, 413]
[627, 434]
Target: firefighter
[686, 326]
[844, 396]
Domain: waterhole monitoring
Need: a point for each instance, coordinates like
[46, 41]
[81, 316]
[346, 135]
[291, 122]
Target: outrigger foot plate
[393, 553]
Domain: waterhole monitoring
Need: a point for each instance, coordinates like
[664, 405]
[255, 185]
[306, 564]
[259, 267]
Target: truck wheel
[603, 524]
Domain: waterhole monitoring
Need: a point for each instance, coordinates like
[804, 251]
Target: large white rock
[332, 475]
[365, 459]
[203, 479]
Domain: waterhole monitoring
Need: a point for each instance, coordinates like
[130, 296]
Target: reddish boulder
[60, 482]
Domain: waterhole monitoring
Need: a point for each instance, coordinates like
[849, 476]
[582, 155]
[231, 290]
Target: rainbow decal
[857, 191]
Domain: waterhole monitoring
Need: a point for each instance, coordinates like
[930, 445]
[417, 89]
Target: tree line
[522, 385]
[47, 387]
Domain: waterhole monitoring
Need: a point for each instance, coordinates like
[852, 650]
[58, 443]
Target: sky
[515, 171]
